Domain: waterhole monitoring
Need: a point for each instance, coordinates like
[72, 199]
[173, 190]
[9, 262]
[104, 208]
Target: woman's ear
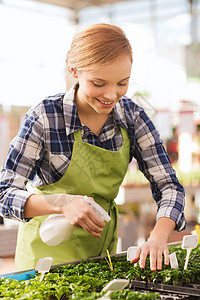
[73, 71]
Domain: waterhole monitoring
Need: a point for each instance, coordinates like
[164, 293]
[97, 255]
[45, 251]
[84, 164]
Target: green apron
[95, 172]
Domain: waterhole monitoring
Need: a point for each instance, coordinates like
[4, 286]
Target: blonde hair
[96, 46]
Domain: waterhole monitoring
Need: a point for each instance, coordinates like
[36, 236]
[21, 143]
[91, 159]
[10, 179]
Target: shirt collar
[72, 121]
[119, 114]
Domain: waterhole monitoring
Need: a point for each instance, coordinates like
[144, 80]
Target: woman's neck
[89, 117]
[94, 121]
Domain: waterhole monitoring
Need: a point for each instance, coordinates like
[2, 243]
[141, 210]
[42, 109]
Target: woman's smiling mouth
[105, 103]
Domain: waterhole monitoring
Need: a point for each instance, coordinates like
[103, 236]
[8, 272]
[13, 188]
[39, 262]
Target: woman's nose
[110, 94]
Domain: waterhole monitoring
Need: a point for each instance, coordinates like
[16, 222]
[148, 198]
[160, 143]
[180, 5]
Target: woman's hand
[156, 245]
[78, 211]
[80, 214]
[155, 248]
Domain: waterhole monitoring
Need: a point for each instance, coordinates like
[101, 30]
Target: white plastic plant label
[116, 285]
[173, 261]
[131, 251]
[190, 241]
[43, 266]
[113, 286]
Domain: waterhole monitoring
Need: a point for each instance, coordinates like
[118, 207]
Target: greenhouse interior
[148, 199]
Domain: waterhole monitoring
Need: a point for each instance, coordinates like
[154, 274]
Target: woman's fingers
[80, 214]
[92, 229]
[143, 257]
[166, 257]
[159, 258]
[155, 251]
[153, 259]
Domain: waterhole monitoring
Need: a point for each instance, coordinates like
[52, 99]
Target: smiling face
[101, 89]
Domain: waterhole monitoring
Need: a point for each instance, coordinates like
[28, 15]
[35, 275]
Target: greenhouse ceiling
[80, 4]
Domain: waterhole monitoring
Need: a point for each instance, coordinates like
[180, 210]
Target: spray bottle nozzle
[99, 211]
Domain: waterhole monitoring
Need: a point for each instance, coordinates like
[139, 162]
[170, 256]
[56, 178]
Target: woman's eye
[98, 84]
[123, 84]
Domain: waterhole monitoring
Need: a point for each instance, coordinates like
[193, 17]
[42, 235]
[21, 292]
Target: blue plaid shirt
[42, 150]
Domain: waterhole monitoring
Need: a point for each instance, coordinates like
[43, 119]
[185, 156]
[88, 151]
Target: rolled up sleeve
[154, 162]
[13, 195]
[20, 167]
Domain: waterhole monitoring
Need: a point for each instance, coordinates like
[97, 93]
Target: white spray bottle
[56, 229]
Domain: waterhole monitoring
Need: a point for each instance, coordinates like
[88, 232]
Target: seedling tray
[76, 262]
[166, 291]
[189, 290]
[30, 273]
[21, 275]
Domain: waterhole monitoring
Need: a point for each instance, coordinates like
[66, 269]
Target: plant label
[114, 286]
[43, 266]
[131, 251]
[190, 241]
[173, 261]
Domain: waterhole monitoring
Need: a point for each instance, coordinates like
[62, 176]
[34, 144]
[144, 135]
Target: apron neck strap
[77, 135]
[124, 132]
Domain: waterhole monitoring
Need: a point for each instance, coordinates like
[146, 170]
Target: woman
[80, 143]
